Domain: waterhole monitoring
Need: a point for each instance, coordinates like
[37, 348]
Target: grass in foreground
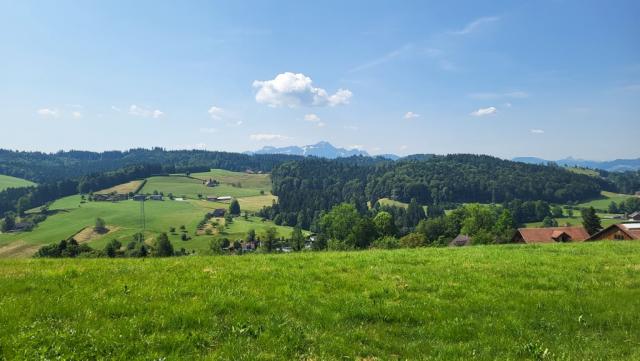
[13, 182]
[563, 302]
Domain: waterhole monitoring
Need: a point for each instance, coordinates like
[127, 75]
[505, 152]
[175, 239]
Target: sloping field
[13, 182]
[607, 198]
[189, 187]
[124, 188]
[246, 180]
[551, 302]
[123, 219]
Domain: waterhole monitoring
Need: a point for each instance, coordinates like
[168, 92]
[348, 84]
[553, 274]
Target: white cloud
[632, 87]
[48, 112]
[484, 111]
[474, 25]
[115, 108]
[76, 114]
[321, 124]
[351, 127]
[267, 137]
[215, 113]
[145, 112]
[411, 115]
[292, 90]
[208, 130]
[311, 117]
[404, 147]
[355, 146]
[537, 131]
[507, 105]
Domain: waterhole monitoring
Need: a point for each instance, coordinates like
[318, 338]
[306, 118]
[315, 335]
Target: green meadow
[71, 215]
[516, 302]
[13, 182]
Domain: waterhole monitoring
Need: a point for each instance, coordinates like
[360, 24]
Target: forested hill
[44, 167]
[311, 185]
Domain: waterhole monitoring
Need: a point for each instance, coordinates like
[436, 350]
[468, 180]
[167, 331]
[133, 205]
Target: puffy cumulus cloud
[411, 115]
[537, 131]
[293, 90]
[267, 137]
[215, 113]
[48, 112]
[484, 112]
[145, 112]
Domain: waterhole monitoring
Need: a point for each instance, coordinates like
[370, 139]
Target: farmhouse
[218, 212]
[460, 240]
[635, 216]
[550, 235]
[111, 197]
[139, 197]
[211, 183]
[618, 232]
[224, 198]
[155, 197]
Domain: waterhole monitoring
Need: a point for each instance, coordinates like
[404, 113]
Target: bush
[413, 240]
[386, 243]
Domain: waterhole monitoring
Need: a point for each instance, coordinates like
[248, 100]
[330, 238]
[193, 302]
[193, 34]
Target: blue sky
[507, 78]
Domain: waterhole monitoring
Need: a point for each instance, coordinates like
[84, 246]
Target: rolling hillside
[13, 182]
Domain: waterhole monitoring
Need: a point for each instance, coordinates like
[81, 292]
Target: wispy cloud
[48, 112]
[208, 130]
[537, 131]
[383, 59]
[145, 112]
[267, 137]
[76, 114]
[311, 117]
[215, 113]
[475, 25]
[484, 112]
[494, 95]
[411, 115]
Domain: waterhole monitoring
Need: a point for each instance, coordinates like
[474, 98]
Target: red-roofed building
[550, 235]
[618, 232]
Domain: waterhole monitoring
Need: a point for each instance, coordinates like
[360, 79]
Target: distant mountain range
[616, 165]
[320, 149]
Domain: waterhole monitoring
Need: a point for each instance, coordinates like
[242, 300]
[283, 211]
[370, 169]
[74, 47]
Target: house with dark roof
[618, 232]
[635, 216]
[550, 235]
[218, 213]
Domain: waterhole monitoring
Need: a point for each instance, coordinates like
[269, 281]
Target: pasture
[71, 215]
[13, 182]
[517, 302]
[182, 186]
[125, 188]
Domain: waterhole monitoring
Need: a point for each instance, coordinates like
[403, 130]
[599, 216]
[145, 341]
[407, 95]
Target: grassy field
[585, 171]
[519, 302]
[246, 180]
[189, 187]
[124, 188]
[72, 216]
[603, 202]
[13, 182]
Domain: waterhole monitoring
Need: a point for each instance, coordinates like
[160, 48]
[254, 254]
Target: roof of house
[631, 229]
[550, 234]
[634, 214]
[460, 240]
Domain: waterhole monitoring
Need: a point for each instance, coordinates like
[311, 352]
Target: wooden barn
[618, 232]
[550, 235]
